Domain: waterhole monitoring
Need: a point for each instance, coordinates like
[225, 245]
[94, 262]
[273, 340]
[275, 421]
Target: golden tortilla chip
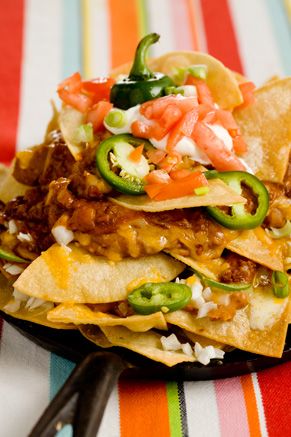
[61, 275]
[219, 194]
[83, 315]
[37, 315]
[93, 332]
[145, 343]
[211, 268]
[203, 341]
[9, 187]
[266, 128]
[69, 120]
[259, 328]
[256, 245]
[220, 79]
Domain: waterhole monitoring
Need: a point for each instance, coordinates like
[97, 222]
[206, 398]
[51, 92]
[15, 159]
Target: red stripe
[11, 25]
[220, 33]
[276, 395]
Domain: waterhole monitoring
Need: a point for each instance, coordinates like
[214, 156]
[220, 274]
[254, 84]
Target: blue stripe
[72, 56]
[60, 369]
[280, 23]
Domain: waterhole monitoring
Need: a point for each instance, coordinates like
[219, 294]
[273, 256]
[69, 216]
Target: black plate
[73, 346]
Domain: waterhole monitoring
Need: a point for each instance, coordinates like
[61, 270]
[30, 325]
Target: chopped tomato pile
[91, 97]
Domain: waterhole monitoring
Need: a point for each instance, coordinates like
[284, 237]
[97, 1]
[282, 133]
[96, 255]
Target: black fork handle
[82, 399]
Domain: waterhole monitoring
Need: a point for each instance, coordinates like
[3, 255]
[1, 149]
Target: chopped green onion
[199, 71]
[201, 191]
[173, 90]
[116, 118]
[84, 134]
[179, 75]
[285, 231]
[280, 284]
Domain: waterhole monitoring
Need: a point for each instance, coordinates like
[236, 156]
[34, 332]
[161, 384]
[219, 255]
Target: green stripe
[142, 15]
[174, 410]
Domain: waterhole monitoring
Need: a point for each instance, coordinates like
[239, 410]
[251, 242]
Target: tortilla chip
[94, 334]
[69, 120]
[9, 187]
[144, 343]
[219, 194]
[75, 276]
[83, 315]
[220, 79]
[264, 310]
[266, 128]
[211, 268]
[256, 245]
[38, 315]
[203, 341]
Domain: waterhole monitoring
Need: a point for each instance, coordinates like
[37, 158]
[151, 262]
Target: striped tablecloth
[44, 41]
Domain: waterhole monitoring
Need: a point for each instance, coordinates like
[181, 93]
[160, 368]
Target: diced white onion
[13, 269]
[224, 299]
[189, 90]
[24, 238]
[204, 309]
[207, 353]
[207, 293]
[171, 343]
[12, 227]
[62, 235]
[34, 302]
[187, 349]
[12, 306]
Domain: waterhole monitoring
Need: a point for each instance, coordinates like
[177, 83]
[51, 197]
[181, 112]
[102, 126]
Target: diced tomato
[181, 187]
[154, 109]
[221, 158]
[203, 92]
[247, 89]
[99, 88]
[183, 128]
[170, 116]
[153, 190]
[239, 145]
[170, 161]
[136, 154]
[158, 177]
[207, 113]
[97, 114]
[72, 84]
[157, 131]
[155, 156]
[140, 129]
[179, 174]
[227, 121]
[77, 100]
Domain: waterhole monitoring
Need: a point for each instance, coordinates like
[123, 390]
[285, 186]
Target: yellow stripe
[86, 43]
[288, 8]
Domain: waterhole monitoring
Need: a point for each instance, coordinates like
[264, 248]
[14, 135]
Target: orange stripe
[251, 405]
[143, 409]
[192, 22]
[124, 30]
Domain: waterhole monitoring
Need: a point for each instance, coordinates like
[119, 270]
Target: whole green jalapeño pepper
[239, 217]
[142, 84]
[165, 296]
[115, 166]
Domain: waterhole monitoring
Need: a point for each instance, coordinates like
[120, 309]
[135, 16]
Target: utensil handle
[82, 399]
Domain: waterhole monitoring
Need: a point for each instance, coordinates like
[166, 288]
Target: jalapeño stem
[139, 70]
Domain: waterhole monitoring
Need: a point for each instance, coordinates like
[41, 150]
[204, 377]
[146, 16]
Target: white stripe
[41, 69]
[202, 41]
[256, 40]
[260, 406]
[98, 29]
[24, 382]
[160, 21]
[110, 425]
[202, 410]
